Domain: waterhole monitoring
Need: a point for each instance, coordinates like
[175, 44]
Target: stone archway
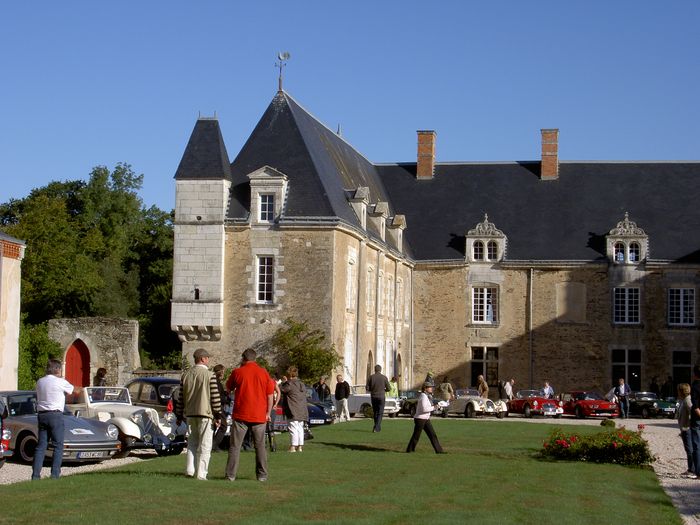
[78, 364]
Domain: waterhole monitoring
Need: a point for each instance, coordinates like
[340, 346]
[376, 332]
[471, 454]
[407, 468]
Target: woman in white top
[421, 421]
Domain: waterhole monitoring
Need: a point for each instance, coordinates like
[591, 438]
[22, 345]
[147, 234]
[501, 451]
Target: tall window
[492, 250]
[380, 295]
[626, 305]
[634, 252]
[627, 363]
[351, 286]
[619, 252]
[265, 279]
[484, 362]
[267, 207]
[682, 366]
[485, 305]
[478, 251]
[681, 306]
[370, 291]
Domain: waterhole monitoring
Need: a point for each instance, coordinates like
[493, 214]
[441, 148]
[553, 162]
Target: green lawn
[347, 474]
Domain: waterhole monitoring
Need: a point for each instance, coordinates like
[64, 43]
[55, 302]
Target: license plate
[316, 421]
[93, 454]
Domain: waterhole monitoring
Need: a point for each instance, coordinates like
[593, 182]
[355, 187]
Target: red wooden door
[78, 364]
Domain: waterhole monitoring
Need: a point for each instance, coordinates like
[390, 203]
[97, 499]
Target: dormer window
[627, 243]
[268, 189]
[485, 243]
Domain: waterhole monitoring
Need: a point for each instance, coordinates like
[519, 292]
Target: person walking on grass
[252, 389]
[294, 405]
[342, 393]
[377, 386]
[421, 421]
[51, 391]
[199, 404]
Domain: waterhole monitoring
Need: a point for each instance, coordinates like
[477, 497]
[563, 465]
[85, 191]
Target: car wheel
[469, 411]
[444, 412]
[527, 412]
[26, 445]
[367, 410]
[579, 413]
[392, 415]
[2, 462]
[126, 442]
[501, 415]
[645, 412]
[352, 414]
[413, 410]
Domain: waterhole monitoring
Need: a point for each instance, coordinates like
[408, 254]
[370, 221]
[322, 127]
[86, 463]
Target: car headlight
[7, 434]
[147, 438]
[535, 403]
[169, 418]
[656, 405]
[137, 418]
[112, 431]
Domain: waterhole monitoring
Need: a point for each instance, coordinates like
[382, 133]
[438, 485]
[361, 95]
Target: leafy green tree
[35, 350]
[297, 344]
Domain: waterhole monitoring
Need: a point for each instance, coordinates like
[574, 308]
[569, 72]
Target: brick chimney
[426, 155]
[549, 169]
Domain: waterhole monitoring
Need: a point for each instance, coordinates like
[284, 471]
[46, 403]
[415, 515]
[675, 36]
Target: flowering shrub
[621, 446]
[608, 423]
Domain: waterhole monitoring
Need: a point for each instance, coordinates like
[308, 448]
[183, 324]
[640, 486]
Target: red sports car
[588, 404]
[532, 402]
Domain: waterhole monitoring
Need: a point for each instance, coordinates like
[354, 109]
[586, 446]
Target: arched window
[619, 252]
[634, 252]
[478, 251]
[492, 251]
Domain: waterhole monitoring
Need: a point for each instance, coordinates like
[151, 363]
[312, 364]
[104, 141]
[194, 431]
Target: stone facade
[11, 255]
[112, 344]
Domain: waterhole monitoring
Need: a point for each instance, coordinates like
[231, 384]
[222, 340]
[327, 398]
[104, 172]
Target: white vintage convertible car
[468, 403]
[139, 427]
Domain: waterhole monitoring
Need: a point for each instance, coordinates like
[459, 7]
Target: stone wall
[112, 343]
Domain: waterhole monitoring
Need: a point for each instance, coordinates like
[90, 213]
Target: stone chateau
[574, 272]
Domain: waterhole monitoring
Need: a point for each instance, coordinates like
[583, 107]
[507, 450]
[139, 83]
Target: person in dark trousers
[51, 391]
[342, 393]
[421, 421]
[322, 389]
[622, 391]
[220, 431]
[695, 419]
[377, 386]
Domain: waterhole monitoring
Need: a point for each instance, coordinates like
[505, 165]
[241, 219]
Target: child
[684, 424]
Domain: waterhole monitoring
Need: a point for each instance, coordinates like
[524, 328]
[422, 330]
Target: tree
[297, 344]
[35, 350]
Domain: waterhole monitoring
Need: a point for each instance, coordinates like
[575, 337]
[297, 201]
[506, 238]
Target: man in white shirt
[508, 389]
[51, 393]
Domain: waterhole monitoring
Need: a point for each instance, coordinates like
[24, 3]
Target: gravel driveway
[662, 435]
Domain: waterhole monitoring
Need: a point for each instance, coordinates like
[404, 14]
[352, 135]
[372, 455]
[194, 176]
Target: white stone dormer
[378, 217]
[397, 225]
[627, 243]
[485, 243]
[268, 194]
[359, 202]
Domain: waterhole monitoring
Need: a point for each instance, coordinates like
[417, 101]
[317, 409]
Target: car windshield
[589, 396]
[645, 395]
[466, 392]
[524, 394]
[104, 394]
[22, 404]
[410, 394]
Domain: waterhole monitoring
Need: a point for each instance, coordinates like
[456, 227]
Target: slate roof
[205, 156]
[558, 220]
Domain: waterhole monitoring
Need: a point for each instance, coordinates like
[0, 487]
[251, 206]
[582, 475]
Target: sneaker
[689, 475]
[231, 479]
[262, 479]
[299, 449]
[292, 449]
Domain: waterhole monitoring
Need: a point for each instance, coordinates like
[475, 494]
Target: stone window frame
[478, 251]
[481, 310]
[351, 284]
[264, 182]
[627, 243]
[684, 319]
[626, 309]
[269, 287]
[370, 291]
[266, 203]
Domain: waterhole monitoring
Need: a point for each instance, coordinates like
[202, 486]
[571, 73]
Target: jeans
[695, 445]
[238, 432]
[419, 425]
[199, 446]
[51, 426]
[686, 436]
[624, 407]
[378, 409]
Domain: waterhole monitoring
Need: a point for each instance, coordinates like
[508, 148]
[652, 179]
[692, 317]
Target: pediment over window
[627, 243]
[485, 243]
[268, 194]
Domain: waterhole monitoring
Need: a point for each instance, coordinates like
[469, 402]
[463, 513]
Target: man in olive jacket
[200, 403]
[377, 386]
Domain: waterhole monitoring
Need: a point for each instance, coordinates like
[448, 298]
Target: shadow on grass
[357, 446]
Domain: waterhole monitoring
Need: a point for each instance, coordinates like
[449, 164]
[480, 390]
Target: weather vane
[282, 56]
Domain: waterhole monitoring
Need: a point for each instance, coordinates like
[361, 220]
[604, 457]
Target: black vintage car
[647, 404]
[152, 392]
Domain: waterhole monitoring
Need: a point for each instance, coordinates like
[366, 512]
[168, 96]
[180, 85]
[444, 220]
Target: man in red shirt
[252, 390]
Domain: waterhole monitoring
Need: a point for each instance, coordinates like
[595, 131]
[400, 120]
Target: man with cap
[200, 403]
[421, 421]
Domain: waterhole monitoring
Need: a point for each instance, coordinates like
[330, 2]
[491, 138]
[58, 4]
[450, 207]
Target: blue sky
[88, 83]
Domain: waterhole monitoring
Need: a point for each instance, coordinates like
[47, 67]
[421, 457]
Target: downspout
[531, 277]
